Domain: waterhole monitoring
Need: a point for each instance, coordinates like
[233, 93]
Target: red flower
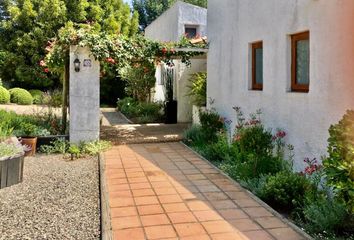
[46, 70]
[164, 50]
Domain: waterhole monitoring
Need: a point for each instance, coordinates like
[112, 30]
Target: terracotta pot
[30, 142]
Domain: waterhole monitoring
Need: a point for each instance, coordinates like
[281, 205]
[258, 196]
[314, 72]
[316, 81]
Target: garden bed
[255, 157]
[58, 199]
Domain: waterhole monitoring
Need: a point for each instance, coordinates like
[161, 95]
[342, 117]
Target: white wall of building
[170, 26]
[306, 117]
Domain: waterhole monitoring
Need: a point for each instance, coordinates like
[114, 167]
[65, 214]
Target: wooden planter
[11, 169]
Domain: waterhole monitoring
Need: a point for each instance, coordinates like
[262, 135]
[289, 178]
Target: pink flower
[46, 70]
[110, 60]
[42, 63]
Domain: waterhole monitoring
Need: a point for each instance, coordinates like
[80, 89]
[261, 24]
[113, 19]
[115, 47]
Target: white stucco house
[181, 19]
[292, 59]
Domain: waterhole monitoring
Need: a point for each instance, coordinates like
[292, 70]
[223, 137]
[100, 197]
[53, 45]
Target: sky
[128, 1]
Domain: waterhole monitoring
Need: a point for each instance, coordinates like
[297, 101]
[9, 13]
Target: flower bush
[255, 156]
[37, 96]
[21, 96]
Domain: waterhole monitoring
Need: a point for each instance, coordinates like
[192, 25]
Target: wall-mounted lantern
[77, 64]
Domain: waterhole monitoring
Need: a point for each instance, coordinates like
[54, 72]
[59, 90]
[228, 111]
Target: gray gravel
[58, 199]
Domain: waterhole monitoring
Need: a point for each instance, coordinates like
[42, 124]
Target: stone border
[254, 197]
[106, 225]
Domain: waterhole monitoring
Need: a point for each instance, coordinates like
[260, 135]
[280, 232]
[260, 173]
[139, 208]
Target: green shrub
[220, 150]
[255, 185]
[285, 190]
[140, 112]
[4, 95]
[211, 123]
[325, 215]
[21, 96]
[62, 146]
[339, 165]
[44, 124]
[194, 136]
[37, 96]
[198, 88]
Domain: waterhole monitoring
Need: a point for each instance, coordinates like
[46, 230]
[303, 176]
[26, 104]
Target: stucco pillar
[84, 95]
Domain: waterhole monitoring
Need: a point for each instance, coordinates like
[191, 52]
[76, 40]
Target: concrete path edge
[106, 225]
[254, 197]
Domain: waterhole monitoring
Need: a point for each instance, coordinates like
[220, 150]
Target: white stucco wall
[234, 24]
[170, 25]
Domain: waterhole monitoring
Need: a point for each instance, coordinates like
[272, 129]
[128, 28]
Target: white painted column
[84, 93]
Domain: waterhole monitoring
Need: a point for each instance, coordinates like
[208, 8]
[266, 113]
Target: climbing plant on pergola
[118, 50]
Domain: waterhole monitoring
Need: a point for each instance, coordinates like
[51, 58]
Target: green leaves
[339, 165]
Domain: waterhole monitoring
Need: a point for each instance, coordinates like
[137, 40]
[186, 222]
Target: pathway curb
[254, 197]
[106, 225]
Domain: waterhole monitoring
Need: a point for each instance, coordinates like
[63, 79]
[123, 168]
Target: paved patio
[166, 191]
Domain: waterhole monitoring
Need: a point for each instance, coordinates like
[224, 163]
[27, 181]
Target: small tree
[140, 79]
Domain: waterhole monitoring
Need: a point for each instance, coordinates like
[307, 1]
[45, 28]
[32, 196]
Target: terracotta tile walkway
[165, 191]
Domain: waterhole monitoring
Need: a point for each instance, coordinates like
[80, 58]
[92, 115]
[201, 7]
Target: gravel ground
[58, 199]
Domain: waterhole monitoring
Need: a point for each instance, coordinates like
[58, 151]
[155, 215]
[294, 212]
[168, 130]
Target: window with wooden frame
[257, 66]
[300, 62]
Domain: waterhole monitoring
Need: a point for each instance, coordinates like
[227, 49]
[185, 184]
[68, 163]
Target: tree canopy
[149, 10]
[27, 25]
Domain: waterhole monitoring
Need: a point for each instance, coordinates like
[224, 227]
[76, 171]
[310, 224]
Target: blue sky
[128, 1]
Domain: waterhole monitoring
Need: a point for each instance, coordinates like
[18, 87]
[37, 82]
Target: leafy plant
[20, 96]
[140, 112]
[74, 150]
[4, 95]
[198, 88]
[339, 165]
[96, 147]
[211, 123]
[5, 132]
[325, 215]
[8, 149]
[285, 190]
[60, 146]
[255, 185]
[37, 96]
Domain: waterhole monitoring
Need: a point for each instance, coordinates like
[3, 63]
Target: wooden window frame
[295, 87]
[255, 85]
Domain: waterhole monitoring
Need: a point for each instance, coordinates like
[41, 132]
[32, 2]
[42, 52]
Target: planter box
[196, 111]
[48, 139]
[11, 169]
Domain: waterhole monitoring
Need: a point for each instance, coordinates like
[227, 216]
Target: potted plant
[198, 93]
[28, 133]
